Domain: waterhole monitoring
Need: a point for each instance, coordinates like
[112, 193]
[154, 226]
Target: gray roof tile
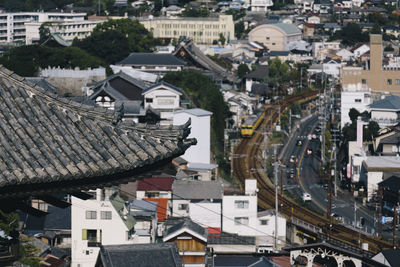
[48, 144]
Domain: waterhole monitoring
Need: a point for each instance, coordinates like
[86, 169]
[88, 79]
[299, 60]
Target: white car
[306, 197]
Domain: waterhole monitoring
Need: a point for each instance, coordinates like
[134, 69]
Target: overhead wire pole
[276, 170]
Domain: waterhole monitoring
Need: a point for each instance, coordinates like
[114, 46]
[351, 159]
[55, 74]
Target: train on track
[250, 125]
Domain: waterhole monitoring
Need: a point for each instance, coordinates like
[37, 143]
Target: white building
[386, 112]
[105, 220]
[164, 98]
[261, 5]
[358, 97]
[313, 20]
[13, 28]
[68, 30]
[332, 67]
[345, 54]
[240, 216]
[200, 129]
[320, 49]
[360, 50]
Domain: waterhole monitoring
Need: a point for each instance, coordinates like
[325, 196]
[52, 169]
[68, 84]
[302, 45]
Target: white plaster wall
[200, 129]
[373, 179]
[206, 214]
[113, 231]
[230, 212]
[160, 96]
[349, 101]
[176, 212]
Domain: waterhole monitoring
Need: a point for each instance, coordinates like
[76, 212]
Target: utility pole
[380, 197]
[276, 169]
[290, 120]
[394, 224]
[99, 7]
[329, 210]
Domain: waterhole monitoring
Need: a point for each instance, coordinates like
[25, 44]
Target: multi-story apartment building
[201, 30]
[68, 30]
[381, 79]
[13, 26]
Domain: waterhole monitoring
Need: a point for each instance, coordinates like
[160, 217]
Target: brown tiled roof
[51, 144]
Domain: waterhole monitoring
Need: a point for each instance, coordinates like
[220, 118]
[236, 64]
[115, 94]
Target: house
[332, 67]
[388, 143]
[240, 216]
[145, 77]
[359, 50]
[261, 5]
[321, 49]
[157, 254]
[118, 87]
[260, 74]
[145, 214]
[242, 260]
[305, 5]
[275, 37]
[373, 169]
[345, 55]
[200, 118]
[164, 98]
[386, 112]
[389, 257]
[223, 242]
[155, 63]
[313, 19]
[105, 220]
[191, 239]
[199, 200]
[323, 6]
[172, 11]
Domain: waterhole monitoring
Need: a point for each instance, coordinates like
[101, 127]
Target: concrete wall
[206, 214]
[230, 212]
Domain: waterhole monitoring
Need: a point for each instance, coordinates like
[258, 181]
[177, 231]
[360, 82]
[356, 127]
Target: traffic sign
[383, 219]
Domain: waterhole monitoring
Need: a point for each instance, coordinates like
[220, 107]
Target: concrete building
[240, 216]
[358, 97]
[13, 25]
[261, 5]
[380, 79]
[332, 67]
[68, 30]
[386, 112]
[105, 220]
[276, 37]
[200, 30]
[200, 129]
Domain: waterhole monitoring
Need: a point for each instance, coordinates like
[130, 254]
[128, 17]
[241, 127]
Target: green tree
[113, 40]
[350, 35]
[354, 114]
[195, 12]
[8, 221]
[376, 29]
[373, 128]
[243, 69]
[239, 29]
[222, 39]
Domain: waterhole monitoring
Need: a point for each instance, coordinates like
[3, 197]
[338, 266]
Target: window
[241, 220]
[263, 222]
[389, 81]
[149, 100]
[273, 43]
[363, 81]
[89, 234]
[241, 204]
[91, 215]
[267, 38]
[182, 206]
[105, 215]
[357, 100]
[397, 82]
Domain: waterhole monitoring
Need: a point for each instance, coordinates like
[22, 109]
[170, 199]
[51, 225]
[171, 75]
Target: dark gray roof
[392, 139]
[189, 224]
[143, 59]
[389, 102]
[119, 86]
[392, 183]
[143, 205]
[261, 73]
[392, 256]
[50, 144]
[58, 219]
[144, 255]
[197, 190]
[231, 239]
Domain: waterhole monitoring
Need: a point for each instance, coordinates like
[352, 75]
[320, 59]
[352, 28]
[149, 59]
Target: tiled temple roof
[49, 144]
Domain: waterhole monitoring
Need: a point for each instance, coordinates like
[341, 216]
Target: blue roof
[287, 28]
[389, 102]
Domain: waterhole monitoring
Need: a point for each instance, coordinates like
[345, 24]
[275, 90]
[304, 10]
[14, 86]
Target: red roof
[155, 184]
[214, 231]
[162, 207]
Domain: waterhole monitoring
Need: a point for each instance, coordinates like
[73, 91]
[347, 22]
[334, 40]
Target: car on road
[309, 151]
[306, 197]
[299, 143]
[292, 159]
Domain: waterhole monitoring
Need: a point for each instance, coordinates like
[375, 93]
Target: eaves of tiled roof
[50, 144]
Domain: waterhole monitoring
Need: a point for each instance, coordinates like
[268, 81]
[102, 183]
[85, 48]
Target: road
[306, 179]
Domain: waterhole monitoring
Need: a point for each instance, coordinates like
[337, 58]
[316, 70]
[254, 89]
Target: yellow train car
[251, 124]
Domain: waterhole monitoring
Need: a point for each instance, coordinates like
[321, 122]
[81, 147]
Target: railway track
[251, 167]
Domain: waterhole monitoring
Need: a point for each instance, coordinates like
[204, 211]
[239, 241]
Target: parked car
[309, 151]
[299, 143]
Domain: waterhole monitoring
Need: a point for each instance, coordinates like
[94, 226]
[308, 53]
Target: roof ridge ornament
[119, 113]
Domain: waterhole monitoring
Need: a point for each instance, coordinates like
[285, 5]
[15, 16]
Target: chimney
[376, 51]
[359, 132]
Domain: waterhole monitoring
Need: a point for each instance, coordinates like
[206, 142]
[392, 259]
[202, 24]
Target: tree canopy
[113, 40]
[203, 92]
[242, 70]
[26, 60]
[351, 34]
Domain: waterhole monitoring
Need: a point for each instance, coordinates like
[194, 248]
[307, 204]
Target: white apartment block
[68, 30]
[240, 215]
[13, 28]
[200, 30]
[101, 220]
